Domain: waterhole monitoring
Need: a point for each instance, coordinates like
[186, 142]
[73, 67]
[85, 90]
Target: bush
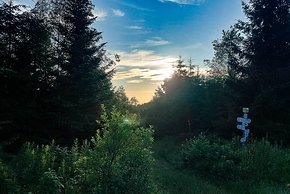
[263, 161]
[258, 161]
[7, 180]
[117, 160]
[211, 159]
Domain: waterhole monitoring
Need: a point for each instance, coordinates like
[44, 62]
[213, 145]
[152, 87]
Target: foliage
[227, 62]
[7, 180]
[211, 159]
[266, 45]
[191, 104]
[170, 177]
[84, 82]
[219, 161]
[263, 59]
[54, 72]
[117, 160]
[250, 68]
[264, 161]
[26, 72]
[122, 102]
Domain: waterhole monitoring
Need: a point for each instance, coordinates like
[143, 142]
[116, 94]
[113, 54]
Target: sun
[165, 73]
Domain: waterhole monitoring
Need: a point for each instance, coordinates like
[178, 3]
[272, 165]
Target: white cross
[245, 121]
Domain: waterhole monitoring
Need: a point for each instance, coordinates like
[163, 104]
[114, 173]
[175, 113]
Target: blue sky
[149, 35]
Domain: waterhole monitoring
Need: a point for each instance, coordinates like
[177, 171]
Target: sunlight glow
[164, 74]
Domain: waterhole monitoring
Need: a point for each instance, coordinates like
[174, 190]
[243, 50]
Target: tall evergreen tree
[84, 81]
[8, 40]
[227, 62]
[25, 71]
[267, 53]
[267, 46]
[229, 65]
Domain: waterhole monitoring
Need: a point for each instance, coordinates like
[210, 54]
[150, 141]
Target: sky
[150, 35]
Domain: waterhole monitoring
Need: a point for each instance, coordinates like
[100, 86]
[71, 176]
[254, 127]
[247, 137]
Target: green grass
[170, 178]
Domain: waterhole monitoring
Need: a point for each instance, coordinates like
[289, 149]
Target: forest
[65, 128]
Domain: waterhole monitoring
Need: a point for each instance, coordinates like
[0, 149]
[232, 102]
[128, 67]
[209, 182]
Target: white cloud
[144, 65]
[135, 27]
[156, 41]
[184, 2]
[143, 75]
[133, 6]
[100, 14]
[145, 59]
[137, 81]
[118, 12]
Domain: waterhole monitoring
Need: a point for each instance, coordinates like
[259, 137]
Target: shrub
[263, 161]
[7, 180]
[211, 159]
[259, 161]
[117, 160]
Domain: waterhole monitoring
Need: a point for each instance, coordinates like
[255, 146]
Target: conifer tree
[84, 81]
[25, 71]
[267, 43]
[227, 61]
[8, 39]
[267, 54]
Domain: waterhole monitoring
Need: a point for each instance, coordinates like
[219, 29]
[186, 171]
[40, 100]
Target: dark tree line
[189, 103]
[54, 73]
[263, 65]
[250, 68]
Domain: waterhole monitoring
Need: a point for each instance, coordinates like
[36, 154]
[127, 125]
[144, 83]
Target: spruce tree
[8, 39]
[267, 43]
[267, 53]
[227, 62]
[84, 82]
[25, 72]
